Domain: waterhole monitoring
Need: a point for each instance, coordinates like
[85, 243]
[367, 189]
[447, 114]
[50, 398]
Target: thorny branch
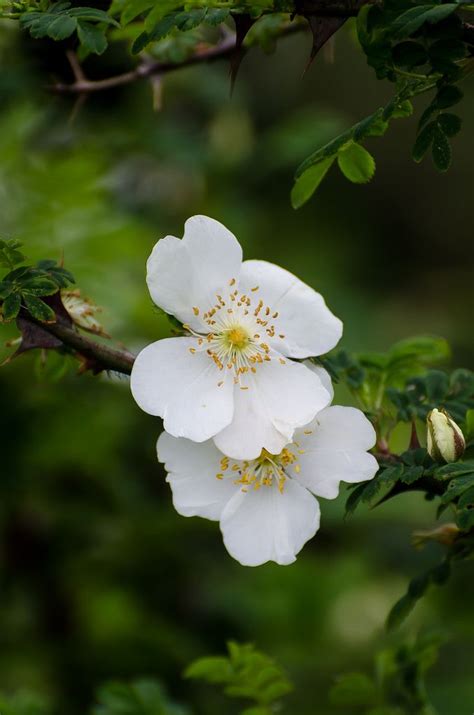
[226, 48]
[102, 356]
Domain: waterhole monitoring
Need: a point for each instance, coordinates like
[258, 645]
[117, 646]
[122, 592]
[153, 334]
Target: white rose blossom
[267, 507]
[233, 377]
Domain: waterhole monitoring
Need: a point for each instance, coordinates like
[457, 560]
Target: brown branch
[102, 356]
[225, 48]
[146, 69]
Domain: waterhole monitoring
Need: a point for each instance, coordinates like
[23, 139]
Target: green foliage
[375, 377]
[141, 697]
[244, 673]
[454, 393]
[398, 38]
[355, 162]
[60, 20]
[28, 284]
[397, 686]
[24, 703]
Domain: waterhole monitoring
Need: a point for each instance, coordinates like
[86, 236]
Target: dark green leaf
[424, 141]
[441, 150]
[39, 286]
[448, 96]
[11, 306]
[450, 124]
[409, 54]
[411, 20]
[38, 309]
[92, 38]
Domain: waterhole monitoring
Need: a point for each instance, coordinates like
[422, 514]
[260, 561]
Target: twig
[144, 70]
[105, 357]
[225, 48]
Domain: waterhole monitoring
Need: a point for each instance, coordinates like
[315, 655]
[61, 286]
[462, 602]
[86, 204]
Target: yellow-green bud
[445, 441]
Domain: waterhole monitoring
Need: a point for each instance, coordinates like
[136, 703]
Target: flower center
[235, 330]
[265, 471]
[236, 338]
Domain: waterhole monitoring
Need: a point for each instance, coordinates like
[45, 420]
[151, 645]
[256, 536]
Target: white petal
[303, 317]
[192, 470]
[170, 382]
[335, 451]
[186, 274]
[279, 398]
[266, 525]
[323, 375]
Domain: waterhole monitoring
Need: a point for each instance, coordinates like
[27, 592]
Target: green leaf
[11, 307]
[356, 163]
[423, 141]
[38, 309]
[410, 21]
[6, 288]
[214, 669]
[92, 14]
[448, 96]
[141, 697]
[160, 30]
[91, 37]
[59, 27]
[355, 690]
[409, 54]
[441, 150]
[131, 10]
[308, 182]
[39, 286]
[450, 124]
[400, 611]
[10, 256]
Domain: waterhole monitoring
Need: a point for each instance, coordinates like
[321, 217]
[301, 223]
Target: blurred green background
[99, 577]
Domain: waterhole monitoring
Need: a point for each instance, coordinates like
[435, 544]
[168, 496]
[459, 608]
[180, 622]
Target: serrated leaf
[11, 307]
[307, 183]
[61, 27]
[450, 124]
[39, 286]
[410, 21]
[423, 141]
[5, 289]
[441, 150]
[92, 14]
[91, 37]
[448, 96]
[356, 163]
[38, 309]
[160, 30]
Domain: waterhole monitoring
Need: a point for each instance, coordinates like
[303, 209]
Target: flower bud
[445, 441]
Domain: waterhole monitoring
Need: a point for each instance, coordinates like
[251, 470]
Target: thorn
[323, 28]
[243, 23]
[414, 441]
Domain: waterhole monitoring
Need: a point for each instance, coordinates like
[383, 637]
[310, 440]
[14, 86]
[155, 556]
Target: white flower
[266, 506]
[230, 377]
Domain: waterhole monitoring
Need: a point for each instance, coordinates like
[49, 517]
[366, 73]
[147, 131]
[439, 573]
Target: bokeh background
[99, 577]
